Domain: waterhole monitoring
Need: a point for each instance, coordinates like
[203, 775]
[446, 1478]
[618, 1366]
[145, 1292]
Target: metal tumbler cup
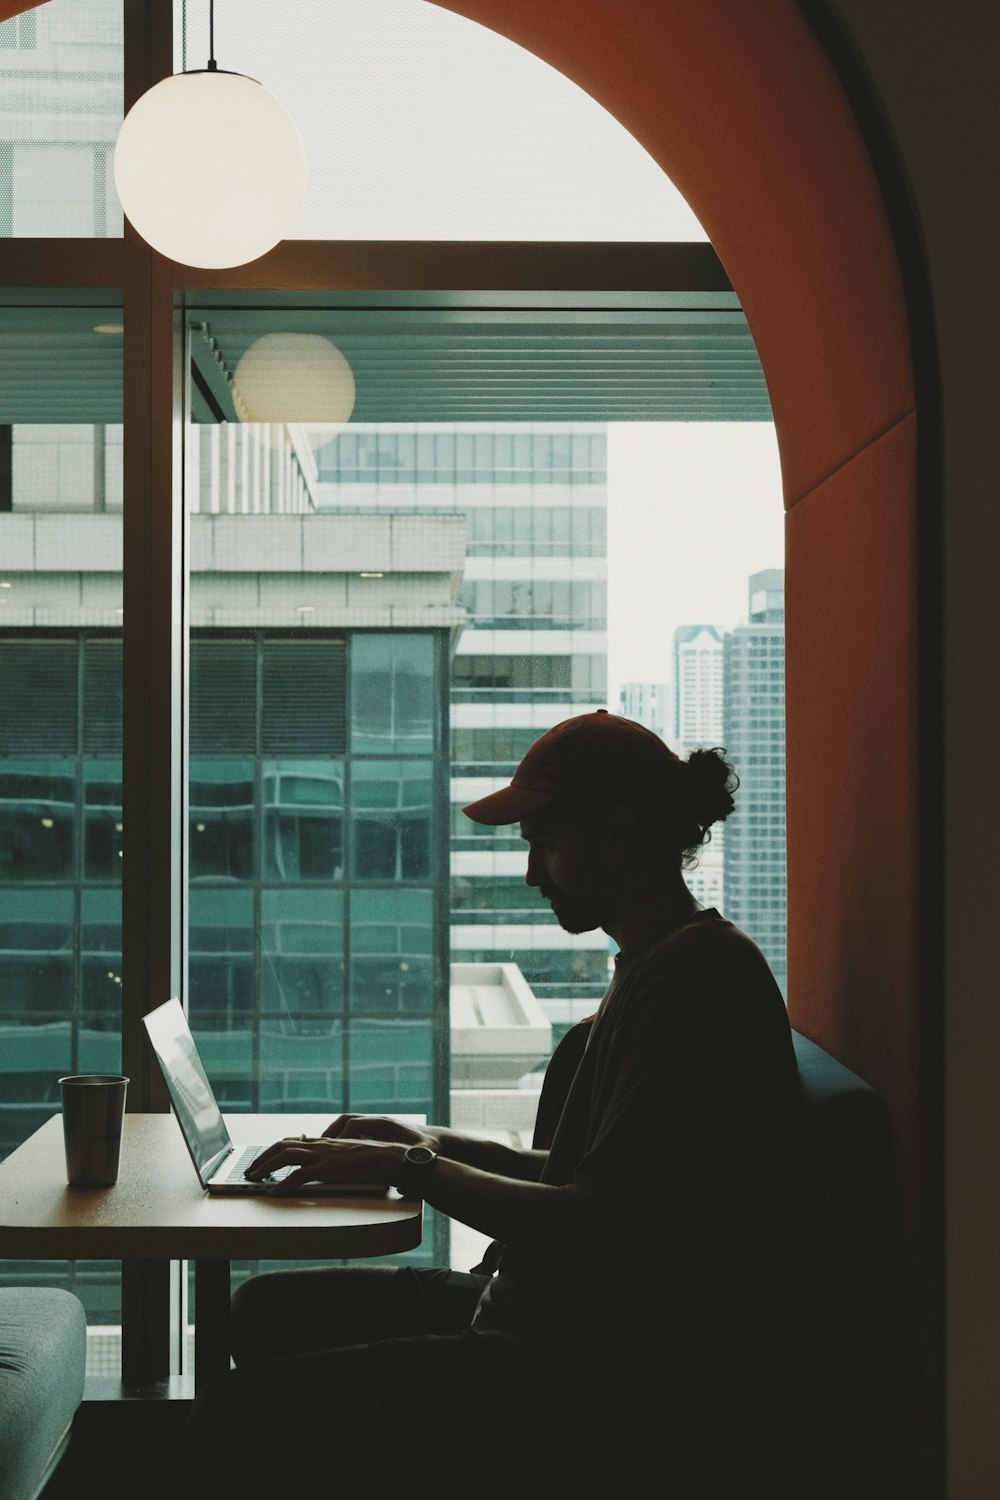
[93, 1110]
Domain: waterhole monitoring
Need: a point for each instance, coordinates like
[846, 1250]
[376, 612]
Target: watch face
[420, 1156]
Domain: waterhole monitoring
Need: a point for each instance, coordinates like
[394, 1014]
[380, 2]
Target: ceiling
[56, 368]
[636, 357]
[418, 357]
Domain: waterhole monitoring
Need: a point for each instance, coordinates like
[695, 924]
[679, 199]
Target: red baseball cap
[596, 756]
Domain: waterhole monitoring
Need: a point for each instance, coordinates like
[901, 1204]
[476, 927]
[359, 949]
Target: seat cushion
[43, 1349]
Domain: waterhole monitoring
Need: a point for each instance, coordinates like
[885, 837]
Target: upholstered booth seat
[43, 1345]
[822, 1418]
[824, 1421]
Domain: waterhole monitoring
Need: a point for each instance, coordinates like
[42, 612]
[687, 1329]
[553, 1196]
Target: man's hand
[382, 1128]
[318, 1159]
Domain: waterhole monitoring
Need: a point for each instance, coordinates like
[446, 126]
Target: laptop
[219, 1161]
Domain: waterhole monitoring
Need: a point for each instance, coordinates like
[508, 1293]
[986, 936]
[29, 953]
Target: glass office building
[754, 879]
[313, 814]
[533, 649]
[317, 949]
[699, 723]
[316, 964]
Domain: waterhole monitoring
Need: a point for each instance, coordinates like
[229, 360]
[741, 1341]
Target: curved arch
[742, 108]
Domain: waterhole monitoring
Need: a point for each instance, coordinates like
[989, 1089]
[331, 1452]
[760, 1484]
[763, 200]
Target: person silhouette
[608, 1335]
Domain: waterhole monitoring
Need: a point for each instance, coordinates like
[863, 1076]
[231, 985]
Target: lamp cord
[212, 65]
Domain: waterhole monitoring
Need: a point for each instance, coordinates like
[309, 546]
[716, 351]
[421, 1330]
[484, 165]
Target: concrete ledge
[499, 1031]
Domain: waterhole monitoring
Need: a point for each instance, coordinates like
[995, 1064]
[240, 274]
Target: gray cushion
[43, 1349]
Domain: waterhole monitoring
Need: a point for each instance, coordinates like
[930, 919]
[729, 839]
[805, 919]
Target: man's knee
[281, 1313]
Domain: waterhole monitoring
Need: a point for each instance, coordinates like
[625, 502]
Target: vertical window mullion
[153, 1304]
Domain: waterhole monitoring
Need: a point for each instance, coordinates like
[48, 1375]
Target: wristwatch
[417, 1161]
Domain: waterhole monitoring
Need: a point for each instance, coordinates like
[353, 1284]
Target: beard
[573, 914]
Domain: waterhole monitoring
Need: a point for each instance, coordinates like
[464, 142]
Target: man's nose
[531, 875]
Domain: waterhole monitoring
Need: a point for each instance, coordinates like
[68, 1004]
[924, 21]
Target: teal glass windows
[392, 678]
[313, 854]
[303, 812]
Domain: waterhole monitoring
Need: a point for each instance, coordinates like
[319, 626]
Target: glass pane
[391, 950]
[102, 814]
[221, 819]
[392, 693]
[392, 819]
[304, 820]
[411, 95]
[392, 1065]
[223, 704]
[37, 820]
[61, 825]
[36, 955]
[302, 1065]
[61, 72]
[302, 952]
[221, 954]
[101, 946]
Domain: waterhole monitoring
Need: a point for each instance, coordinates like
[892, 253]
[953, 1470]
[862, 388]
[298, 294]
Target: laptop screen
[197, 1111]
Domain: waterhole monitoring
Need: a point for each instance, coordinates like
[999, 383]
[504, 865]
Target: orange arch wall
[10, 8]
[743, 110]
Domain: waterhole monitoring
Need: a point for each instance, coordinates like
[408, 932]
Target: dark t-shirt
[675, 1125]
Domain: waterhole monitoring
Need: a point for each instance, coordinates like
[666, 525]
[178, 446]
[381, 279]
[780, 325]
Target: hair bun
[711, 782]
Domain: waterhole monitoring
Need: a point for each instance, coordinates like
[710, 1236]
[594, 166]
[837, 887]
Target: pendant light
[209, 167]
[294, 378]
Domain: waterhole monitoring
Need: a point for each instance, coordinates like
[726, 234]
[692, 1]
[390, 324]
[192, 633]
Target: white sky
[693, 509]
[421, 124]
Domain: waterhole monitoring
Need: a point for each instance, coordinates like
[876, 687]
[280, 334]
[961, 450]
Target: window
[284, 937]
[345, 697]
[61, 66]
[61, 808]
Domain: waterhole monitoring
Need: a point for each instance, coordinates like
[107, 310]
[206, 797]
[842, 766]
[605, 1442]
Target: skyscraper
[698, 687]
[533, 649]
[754, 880]
[698, 724]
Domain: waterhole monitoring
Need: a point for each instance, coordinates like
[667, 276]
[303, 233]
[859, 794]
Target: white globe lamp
[210, 168]
[294, 379]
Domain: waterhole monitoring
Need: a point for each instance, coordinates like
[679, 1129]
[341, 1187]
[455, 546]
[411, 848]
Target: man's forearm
[533, 1215]
[491, 1156]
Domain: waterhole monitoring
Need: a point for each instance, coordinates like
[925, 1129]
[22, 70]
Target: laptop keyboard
[235, 1165]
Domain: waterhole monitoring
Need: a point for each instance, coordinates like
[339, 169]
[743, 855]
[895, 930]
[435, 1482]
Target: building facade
[754, 884]
[533, 649]
[698, 724]
[698, 687]
[648, 703]
[317, 933]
